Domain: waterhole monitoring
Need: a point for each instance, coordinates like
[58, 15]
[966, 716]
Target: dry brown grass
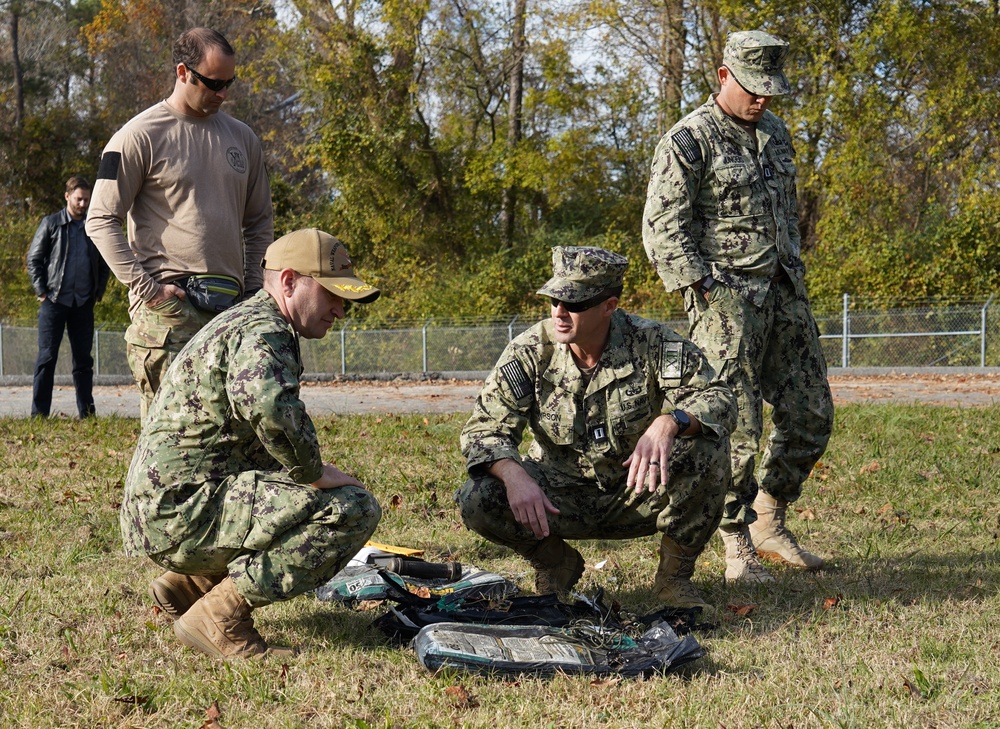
[897, 632]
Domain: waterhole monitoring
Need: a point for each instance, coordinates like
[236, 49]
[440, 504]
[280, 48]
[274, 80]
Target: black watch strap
[682, 419]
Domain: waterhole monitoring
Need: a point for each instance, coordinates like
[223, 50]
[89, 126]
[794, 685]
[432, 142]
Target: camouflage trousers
[768, 354]
[298, 537]
[154, 338]
[687, 510]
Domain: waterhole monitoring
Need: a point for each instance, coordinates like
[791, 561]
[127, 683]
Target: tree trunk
[15, 21]
[509, 203]
[674, 36]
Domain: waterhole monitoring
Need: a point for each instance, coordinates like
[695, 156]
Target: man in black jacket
[69, 277]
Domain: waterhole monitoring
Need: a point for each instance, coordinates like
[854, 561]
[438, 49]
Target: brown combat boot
[557, 565]
[220, 625]
[772, 538]
[673, 586]
[176, 593]
[742, 563]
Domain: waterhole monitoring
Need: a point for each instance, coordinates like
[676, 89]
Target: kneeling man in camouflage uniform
[631, 435]
[227, 490]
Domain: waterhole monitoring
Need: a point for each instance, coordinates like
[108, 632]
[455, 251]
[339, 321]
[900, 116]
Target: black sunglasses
[215, 84]
[575, 307]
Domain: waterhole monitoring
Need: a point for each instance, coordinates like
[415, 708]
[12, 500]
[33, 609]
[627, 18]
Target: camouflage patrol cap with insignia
[580, 273]
[757, 60]
[312, 252]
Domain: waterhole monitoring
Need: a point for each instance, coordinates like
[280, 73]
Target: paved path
[448, 396]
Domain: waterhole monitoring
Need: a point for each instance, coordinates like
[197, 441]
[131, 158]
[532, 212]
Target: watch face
[682, 419]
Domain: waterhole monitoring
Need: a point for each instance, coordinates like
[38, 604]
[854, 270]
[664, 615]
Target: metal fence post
[343, 350]
[97, 349]
[982, 329]
[510, 328]
[845, 327]
[424, 342]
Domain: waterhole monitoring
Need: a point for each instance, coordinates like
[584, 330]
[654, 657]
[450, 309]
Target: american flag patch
[686, 145]
[517, 378]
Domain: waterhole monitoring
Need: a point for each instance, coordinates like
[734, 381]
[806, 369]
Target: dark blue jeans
[78, 322]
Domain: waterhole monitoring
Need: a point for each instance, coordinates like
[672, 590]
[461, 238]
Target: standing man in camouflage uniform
[190, 182]
[721, 225]
[630, 429]
[227, 490]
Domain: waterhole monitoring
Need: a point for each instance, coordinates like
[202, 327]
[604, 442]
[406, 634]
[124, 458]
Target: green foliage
[386, 123]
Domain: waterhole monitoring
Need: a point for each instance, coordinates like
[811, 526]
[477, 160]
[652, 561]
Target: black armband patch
[686, 145]
[110, 163]
[672, 360]
[517, 378]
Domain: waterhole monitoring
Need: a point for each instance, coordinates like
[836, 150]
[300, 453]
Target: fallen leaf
[741, 610]
[872, 467]
[426, 421]
[832, 602]
[368, 605]
[885, 509]
[213, 713]
[912, 688]
[420, 591]
[460, 698]
[134, 700]
[806, 514]
[396, 501]
[613, 681]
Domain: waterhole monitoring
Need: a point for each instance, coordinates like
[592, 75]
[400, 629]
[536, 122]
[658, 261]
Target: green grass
[899, 631]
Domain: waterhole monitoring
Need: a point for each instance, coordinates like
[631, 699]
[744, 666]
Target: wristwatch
[706, 284]
[681, 418]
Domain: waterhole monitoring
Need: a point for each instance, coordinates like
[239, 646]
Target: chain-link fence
[862, 333]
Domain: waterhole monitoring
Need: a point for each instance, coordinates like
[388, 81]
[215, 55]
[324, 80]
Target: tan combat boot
[220, 625]
[673, 586]
[557, 565]
[176, 593]
[772, 538]
[742, 563]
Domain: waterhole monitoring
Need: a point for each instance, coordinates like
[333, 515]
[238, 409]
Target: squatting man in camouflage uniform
[630, 429]
[721, 225]
[227, 490]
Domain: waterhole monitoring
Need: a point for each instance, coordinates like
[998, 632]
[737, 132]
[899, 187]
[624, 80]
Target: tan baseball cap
[312, 252]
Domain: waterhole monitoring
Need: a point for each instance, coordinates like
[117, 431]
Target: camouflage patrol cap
[312, 252]
[580, 273]
[757, 59]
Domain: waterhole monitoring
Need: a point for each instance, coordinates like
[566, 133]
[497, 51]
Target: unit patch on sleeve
[672, 360]
[517, 378]
[110, 162]
[686, 145]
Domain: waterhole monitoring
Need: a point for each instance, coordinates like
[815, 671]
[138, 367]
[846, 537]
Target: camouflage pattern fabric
[769, 353]
[757, 60]
[717, 206]
[220, 477]
[154, 338]
[582, 272]
[583, 433]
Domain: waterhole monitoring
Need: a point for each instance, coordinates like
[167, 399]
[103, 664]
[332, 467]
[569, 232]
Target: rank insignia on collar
[599, 433]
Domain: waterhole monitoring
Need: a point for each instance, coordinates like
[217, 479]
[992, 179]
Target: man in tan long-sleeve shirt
[192, 184]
